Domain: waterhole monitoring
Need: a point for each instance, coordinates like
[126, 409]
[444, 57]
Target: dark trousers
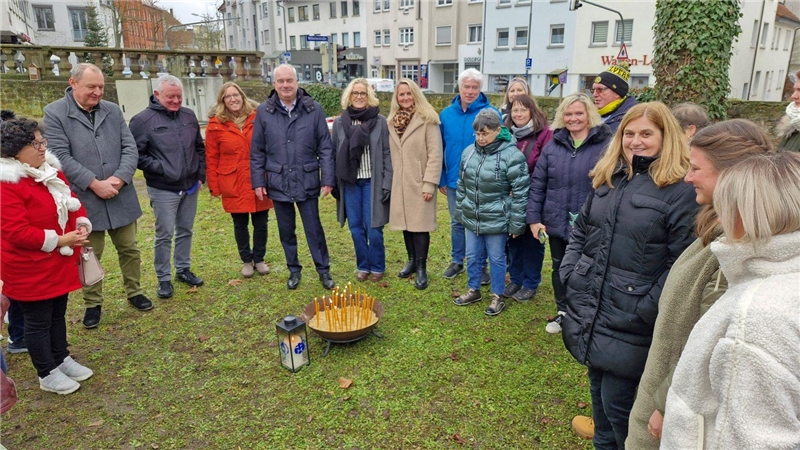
[16, 322]
[612, 400]
[417, 244]
[525, 259]
[558, 247]
[241, 232]
[315, 236]
[46, 333]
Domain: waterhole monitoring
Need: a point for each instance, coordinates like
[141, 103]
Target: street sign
[528, 63]
[286, 56]
[318, 76]
[623, 52]
[316, 38]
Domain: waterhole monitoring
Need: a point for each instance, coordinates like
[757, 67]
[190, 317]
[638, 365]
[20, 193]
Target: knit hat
[616, 78]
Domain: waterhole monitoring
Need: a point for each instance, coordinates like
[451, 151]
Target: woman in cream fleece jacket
[737, 384]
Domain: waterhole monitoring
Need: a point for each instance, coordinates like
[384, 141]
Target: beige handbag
[89, 268]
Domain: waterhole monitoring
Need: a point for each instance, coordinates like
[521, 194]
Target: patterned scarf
[401, 119]
[793, 111]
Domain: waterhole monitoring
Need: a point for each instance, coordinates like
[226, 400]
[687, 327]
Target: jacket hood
[11, 170]
[157, 106]
[743, 262]
[303, 100]
[504, 139]
[480, 103]
[596, 134]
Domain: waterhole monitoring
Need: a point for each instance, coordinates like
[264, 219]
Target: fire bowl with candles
[346, 315]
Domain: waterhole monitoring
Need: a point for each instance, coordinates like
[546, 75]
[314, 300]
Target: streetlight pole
[285, 39]
[181, 25]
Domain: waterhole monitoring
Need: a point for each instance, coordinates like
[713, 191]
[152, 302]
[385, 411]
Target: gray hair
[170, 80]
[281, 66]
[470, 74]
[486, 119]
[77, 70]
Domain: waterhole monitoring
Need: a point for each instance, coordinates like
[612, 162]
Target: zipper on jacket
[477, 202]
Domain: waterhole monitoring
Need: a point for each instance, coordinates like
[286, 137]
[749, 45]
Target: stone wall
[28, 98]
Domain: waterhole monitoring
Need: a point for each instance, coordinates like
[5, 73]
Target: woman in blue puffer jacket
[491, 195]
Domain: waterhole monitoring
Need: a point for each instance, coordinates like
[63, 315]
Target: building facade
[50, 22]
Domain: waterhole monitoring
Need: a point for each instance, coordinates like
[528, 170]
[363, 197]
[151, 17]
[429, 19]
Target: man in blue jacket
[291, 149]
[172, 157]
[457, 134]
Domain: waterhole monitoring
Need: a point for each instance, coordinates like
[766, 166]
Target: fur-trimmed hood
[11, 170]
[784, 127]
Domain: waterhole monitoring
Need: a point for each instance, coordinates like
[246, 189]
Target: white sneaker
[58, 383]
[554, 326]
[72, 369]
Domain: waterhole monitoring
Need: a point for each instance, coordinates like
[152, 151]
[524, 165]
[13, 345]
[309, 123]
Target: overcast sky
[183, 9]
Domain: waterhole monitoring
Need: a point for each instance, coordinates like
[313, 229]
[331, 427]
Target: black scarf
[356, 137]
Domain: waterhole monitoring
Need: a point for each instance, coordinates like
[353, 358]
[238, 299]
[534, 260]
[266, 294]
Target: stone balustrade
[132, 63]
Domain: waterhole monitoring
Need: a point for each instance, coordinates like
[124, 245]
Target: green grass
[201, 370]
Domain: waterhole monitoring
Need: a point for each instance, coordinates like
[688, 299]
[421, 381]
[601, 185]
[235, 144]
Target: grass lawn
[201, 370]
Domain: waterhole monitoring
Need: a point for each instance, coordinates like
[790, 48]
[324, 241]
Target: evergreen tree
[97, 36]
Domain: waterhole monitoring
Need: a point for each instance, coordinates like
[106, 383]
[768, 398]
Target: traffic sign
[286, 56]
[316, 38]
[528, 63]
[623, 52]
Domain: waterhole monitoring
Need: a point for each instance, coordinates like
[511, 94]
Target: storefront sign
[646, 60]
[353, 57]
[472, 59]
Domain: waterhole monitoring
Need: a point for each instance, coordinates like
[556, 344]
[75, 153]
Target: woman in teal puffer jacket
[491, 196]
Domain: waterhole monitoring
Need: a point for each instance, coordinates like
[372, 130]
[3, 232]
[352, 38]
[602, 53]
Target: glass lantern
[293, 343]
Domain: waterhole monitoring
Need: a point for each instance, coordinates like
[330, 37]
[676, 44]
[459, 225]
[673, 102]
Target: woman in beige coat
[416, 147]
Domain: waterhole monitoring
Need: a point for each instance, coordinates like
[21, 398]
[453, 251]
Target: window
[444, 35]
[303, 42]
[377, 5]
[521, 37]
[410, 71]
[503, 3]
[356, 8]
[377, 38]
[334, 38]
[344, 9]
[502, 37]
[230, 42]
[292, 43]
[291, 14]
[444, 2]
[474, 34]
[78, 19]
[764, 33]
[302, 13]
[264, 9]
[619, 36]
[280, 35]
[387, 5]
[44, 17]
[266, 37]
[346, 39]
[315, 12]
[406, 4]
[557, 35]
[333, 10]
[406, 36]
[776, 38]
[599, 33]
[387, 37]
[754, 37]
[787, 41]
[356, 39]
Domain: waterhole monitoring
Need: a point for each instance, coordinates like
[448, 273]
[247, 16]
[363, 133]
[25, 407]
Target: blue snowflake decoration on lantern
[284, 348]
[299, 348]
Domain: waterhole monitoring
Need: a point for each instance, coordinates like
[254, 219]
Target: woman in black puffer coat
[631, 229]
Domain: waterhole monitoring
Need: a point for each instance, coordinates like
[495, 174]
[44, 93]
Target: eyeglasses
[599, 90]
[359, 94]
[519, 111]
[230, 96]
[38, 145]
[483, 135]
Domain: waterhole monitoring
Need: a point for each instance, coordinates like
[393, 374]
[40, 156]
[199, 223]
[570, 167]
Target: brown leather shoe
[376, 277]
[362, 276]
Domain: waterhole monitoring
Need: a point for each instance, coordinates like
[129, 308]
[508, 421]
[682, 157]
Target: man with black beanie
[610, 91]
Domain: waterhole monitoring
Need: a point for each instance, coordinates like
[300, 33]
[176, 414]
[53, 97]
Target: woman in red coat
[41, 221]
[230, 127]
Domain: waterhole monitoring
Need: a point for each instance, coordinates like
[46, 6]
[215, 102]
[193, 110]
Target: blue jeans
[612, 400]
[457, 240]
[478, 247]
[174, 213]
[16, 322]
[368, 241]
[526, 256]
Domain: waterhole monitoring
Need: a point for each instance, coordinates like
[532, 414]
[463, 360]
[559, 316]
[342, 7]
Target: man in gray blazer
[99, 156]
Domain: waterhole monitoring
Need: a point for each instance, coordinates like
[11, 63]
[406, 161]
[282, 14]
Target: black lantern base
[332, 341]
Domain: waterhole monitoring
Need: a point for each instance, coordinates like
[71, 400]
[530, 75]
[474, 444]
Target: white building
[256, 26]
[62, 23]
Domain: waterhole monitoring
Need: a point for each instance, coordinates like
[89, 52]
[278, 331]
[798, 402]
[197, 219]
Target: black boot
[411, 265]
[422, 274]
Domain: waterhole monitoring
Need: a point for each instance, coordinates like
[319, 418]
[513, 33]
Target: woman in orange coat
[230, 127]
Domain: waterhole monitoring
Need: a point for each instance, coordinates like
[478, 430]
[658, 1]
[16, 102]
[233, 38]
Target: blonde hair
[372, 99]
[525, 87]
[221, 112]
[726, 144]
[588, 102]
[672, 161]
[762, 193]
[423, 108]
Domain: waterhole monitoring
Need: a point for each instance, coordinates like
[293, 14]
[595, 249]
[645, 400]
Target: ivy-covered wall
[28, 99]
